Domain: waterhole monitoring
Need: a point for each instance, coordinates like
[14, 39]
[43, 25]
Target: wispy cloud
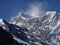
[35, 9]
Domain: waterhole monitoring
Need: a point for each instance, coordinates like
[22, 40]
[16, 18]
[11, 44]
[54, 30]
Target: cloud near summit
[35, 9]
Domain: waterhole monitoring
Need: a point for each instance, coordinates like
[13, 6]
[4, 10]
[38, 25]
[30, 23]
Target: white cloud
[35, 9]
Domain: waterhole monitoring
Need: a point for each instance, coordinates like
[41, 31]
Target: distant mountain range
[42, 30]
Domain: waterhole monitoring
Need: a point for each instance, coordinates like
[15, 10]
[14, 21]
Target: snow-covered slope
[42, 30]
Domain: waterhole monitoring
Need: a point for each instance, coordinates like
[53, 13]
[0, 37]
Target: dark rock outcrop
[6, 38]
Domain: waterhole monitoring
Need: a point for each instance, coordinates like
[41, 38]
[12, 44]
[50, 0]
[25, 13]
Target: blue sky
[9, 8]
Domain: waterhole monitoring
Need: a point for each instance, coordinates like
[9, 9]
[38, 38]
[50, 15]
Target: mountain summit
[42, 30]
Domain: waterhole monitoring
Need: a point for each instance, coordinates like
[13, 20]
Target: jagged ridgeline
[42, 30]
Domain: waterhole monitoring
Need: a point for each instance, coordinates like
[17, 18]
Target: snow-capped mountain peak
[20, 15]
[18, 20]
[43, 26]
[43, 30]
[51, 13]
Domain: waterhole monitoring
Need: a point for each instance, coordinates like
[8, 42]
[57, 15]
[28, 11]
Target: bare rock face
[7, 39]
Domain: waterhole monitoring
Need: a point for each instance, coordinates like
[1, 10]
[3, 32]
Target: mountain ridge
[42, 30]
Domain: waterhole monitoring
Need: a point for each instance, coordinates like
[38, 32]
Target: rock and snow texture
[17, 18]
[43, 30]
[16, 32]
